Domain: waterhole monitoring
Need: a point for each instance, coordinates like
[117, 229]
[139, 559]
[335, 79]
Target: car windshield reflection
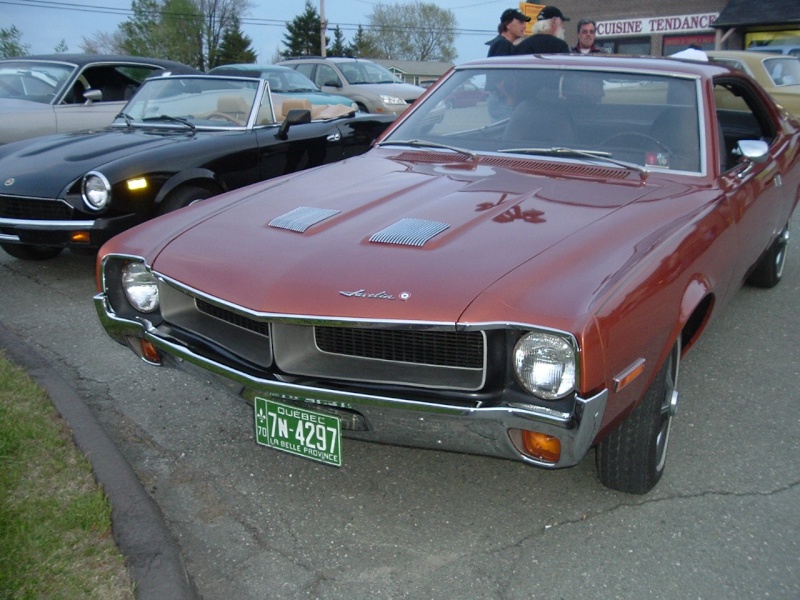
[644, 120]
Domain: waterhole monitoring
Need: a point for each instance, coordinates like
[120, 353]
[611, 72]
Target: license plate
[299, 431]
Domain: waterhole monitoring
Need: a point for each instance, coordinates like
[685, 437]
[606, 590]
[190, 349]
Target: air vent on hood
[302, 217]
[409, 232]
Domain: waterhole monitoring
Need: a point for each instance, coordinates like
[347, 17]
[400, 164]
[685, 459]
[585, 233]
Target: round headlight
[95, 190]
[545, 365]
[141, 287]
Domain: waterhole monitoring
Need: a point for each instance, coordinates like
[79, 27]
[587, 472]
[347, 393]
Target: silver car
[373, 87]
[61, 93]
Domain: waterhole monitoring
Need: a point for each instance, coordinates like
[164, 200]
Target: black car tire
[632, 458]
[183, 197]
[769, 269]
[28, 252]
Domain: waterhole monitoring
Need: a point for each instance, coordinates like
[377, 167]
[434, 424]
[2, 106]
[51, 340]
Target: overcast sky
[44, 23]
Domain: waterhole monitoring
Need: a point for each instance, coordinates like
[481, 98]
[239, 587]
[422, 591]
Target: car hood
[401, 90]
[43, 166]
[497, 217]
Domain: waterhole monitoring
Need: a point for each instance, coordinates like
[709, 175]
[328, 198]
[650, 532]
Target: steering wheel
[636, 134]
[216, 116]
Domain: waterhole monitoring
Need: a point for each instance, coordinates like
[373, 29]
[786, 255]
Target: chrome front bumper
[481, 430]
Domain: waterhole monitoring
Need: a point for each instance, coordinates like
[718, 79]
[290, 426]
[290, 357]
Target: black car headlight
[546, 364]
[95, 190]
[140, 287]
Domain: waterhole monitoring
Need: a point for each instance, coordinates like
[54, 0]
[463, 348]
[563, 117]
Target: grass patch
[55, 520]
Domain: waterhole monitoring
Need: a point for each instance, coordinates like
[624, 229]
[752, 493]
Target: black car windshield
[642, 120]
[200, 102]
[36, 81]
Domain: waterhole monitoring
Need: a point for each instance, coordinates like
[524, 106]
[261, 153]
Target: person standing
[510, 29]
[587, 30]
[548, 34]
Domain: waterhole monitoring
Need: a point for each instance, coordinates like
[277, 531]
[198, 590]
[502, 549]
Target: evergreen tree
[235, 46]
[363, 45]
[303, 34]
[338, 47]
[11, 43]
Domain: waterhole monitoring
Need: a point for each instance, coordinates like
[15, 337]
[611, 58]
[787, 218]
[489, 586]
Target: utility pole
[323, 26]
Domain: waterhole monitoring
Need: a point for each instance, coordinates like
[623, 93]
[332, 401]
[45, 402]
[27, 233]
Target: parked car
[179, 140]
[59, 93]
[372, 86]
[778, 74]
[790, 49]
[285, 83]
[523, 287]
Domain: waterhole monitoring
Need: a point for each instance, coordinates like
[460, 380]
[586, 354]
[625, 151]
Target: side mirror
[754, 150]
[333, 83]
[296, 116]
[92, 95]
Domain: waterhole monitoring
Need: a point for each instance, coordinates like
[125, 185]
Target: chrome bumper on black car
[475, 429]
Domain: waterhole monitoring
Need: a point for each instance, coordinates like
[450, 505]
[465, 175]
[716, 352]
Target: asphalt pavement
[200, 497]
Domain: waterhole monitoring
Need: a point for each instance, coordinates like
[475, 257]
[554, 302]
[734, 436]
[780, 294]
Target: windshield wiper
[172, 119]
[573, 152]
[127, 117]
[424, 144]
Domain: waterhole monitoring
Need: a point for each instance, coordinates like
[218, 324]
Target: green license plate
[299, 431]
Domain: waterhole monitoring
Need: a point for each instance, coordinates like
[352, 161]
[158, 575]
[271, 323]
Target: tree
[338, 47]
[363, 45]
[11, 43]
[61, 48]
[303, 34]
[235, 47]
[414, 31]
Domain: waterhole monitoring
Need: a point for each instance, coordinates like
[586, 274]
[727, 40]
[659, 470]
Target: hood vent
[409, 232]
[302, 217]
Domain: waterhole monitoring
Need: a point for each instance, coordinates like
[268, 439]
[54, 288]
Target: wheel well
[696, 322]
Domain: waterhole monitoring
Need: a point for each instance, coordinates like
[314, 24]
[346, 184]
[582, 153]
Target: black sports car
[180, 139]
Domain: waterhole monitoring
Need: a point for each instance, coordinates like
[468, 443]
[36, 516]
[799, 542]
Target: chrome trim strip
[49, 225]
[8, 238]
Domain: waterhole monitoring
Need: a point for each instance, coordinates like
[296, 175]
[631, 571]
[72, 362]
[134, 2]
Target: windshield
[199, 102]
[366, 72]
[35, 81]
[648, 121]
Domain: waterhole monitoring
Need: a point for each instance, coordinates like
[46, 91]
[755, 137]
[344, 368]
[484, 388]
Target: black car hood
[44, 166]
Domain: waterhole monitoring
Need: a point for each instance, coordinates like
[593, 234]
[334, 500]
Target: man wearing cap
[548, 34]
[510, 29]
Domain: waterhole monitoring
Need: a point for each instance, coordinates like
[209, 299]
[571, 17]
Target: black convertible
[179, 140]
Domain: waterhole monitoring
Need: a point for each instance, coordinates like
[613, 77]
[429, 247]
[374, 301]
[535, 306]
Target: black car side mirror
[296, 116]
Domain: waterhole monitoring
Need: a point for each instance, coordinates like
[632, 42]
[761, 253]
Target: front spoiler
[471, 430]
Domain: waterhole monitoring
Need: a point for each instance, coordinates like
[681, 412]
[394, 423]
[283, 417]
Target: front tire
[769, 269]
[632, 458]
[28, 252]
[183, 197]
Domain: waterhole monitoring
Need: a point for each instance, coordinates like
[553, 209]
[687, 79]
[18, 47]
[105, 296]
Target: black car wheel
[769, 269]
[183, 197]
[632, 458]
[27, 252]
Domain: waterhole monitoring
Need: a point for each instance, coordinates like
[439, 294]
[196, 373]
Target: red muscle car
[518, 278]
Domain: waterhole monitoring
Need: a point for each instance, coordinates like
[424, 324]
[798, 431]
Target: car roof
[81, 60]
[250, 67]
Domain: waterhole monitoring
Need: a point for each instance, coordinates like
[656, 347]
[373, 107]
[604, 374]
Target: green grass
[55, 520]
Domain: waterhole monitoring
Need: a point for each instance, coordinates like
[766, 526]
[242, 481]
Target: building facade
[658, 28]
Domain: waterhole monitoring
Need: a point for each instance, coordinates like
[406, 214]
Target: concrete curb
[137, 524]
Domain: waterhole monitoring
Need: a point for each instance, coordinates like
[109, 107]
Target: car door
[754, 190]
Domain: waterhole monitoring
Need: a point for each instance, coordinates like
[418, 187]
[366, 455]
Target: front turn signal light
[541, 446]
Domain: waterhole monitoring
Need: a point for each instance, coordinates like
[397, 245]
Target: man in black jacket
[548, 34]
[510, 29]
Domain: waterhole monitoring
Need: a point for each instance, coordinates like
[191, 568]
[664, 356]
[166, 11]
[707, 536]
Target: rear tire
[28, 252]
[769, 269]
[632, 458]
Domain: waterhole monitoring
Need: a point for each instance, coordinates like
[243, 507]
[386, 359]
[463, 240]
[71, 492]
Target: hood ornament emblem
[382, 295]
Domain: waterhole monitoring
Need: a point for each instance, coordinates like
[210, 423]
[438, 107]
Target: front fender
[202, 177]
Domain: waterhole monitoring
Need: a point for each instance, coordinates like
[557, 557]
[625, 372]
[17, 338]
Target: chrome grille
[258, 327]
[15, 207]
[409, 232]
[302, 217]
[443, 348]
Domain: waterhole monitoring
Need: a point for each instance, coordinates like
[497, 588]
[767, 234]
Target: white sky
[44, 23]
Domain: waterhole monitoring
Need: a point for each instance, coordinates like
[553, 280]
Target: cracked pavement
[404, 523]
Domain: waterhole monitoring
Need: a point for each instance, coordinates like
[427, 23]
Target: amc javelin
[518, 277]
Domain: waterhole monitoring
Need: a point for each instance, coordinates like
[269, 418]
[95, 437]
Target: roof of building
[765, 12]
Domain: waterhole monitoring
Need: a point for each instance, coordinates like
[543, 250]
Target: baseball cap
[511, 14]
[549, 12]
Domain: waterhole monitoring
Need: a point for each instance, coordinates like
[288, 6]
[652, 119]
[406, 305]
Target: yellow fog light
[80, 237]
[139, 183]
[541, 446]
